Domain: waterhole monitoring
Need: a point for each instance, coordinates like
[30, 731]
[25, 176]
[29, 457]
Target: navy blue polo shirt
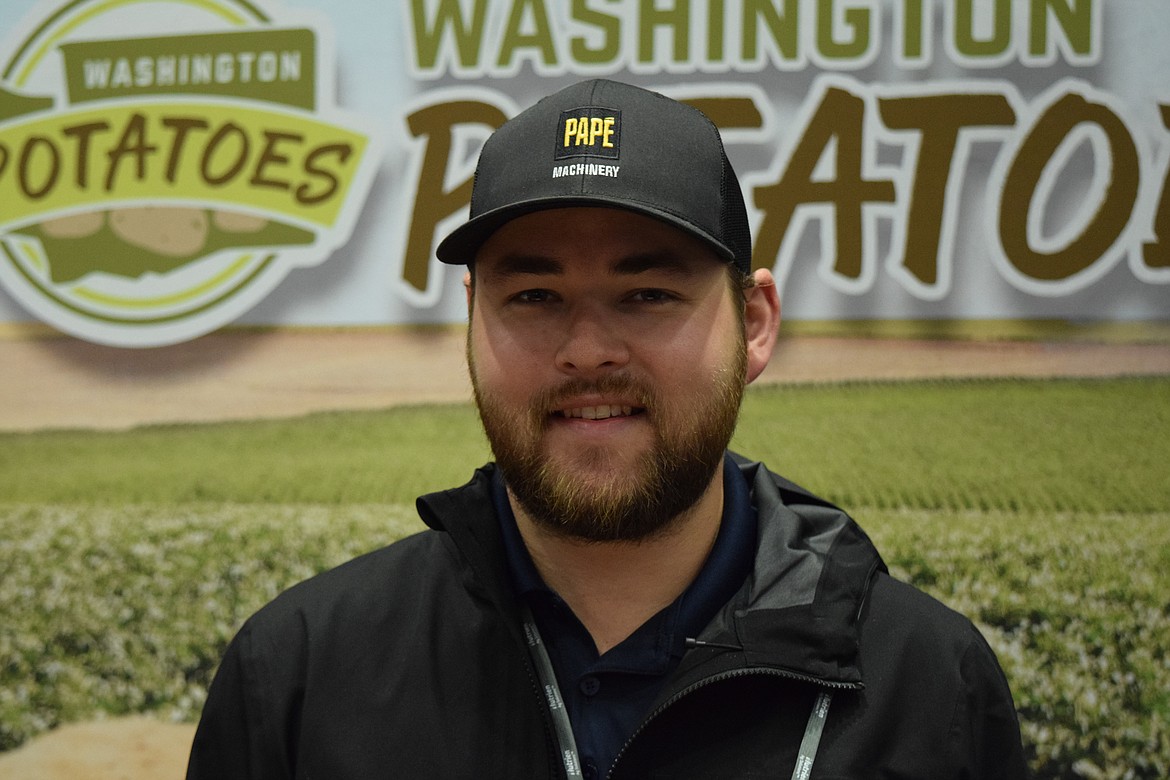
[607, 696]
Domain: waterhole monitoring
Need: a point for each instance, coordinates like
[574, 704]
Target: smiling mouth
[603, 412]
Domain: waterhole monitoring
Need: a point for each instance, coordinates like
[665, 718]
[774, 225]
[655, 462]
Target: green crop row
[127, 610]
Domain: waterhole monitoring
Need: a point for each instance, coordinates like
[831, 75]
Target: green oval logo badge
[154, 186]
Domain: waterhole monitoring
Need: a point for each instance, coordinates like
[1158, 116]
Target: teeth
[599, 412]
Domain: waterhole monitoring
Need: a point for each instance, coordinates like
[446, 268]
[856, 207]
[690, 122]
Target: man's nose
[591, 343]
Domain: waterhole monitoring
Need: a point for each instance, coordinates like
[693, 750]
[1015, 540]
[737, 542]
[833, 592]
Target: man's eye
[532, 296]
[652, 296]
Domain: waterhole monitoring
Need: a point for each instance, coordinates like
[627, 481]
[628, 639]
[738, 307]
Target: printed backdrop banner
[169, 167]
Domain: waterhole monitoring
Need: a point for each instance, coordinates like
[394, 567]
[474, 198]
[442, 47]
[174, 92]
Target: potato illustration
[130, 242]
[75, 225]
[235, 222]
[168, 231]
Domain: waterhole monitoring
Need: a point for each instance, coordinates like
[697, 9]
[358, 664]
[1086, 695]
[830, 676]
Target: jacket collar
[797, 613]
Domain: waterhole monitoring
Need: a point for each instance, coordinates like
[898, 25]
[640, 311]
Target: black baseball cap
[604, 143]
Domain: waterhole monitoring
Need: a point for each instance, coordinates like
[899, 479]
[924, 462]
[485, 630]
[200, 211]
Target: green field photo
[1041, 509]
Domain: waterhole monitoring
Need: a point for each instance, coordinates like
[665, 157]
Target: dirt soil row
[65, 383]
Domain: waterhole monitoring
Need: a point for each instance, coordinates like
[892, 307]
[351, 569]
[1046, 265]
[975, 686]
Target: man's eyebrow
[655, 261]
[512, 265]
[522, 265]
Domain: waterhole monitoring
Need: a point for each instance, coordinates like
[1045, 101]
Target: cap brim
[462, 244]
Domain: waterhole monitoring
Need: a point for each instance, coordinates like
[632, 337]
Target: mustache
[550, 399]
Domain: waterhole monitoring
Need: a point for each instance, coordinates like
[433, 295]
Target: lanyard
[812, 737]
[563, 729]
[548, 680]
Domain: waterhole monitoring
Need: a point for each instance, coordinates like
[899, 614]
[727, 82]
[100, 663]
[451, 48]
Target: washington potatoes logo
[165, 163]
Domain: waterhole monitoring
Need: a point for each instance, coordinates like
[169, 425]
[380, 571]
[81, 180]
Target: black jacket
[409, 663]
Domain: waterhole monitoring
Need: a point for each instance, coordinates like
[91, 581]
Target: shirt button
[590, 685]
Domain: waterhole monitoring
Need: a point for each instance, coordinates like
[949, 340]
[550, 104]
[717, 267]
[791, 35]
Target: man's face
[608, 362]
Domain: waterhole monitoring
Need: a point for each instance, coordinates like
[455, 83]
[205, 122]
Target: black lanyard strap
[812, 737]
[563, 730]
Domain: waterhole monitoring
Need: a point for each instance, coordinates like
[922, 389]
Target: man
[618, 596]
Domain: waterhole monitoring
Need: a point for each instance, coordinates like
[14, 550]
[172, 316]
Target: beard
[594, 498]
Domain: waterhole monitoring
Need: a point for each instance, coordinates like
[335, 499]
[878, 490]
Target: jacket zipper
[721, 677]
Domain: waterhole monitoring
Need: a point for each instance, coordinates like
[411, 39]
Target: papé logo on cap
[589, 131]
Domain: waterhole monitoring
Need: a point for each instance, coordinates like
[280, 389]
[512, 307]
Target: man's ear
[761, 321]
[467, 288]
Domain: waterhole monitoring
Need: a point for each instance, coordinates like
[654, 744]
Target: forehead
[559, 241]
